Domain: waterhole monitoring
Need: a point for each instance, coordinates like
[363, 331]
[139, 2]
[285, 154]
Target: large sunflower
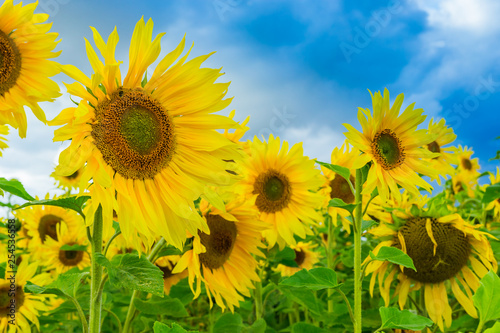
[442, 163]
[25, 47]
[224, 259]
[151, 146]
[442, 249]
[284, 185]
[392, 142]
[305, 258]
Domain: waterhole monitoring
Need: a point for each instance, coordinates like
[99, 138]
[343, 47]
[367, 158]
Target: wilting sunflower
[224, 259]
[69, 182]
[4, 130]
[166, 265]
[442, 163]
[27, 305]
[392, 142]
[25, 47]
[59, 258]
[442, 249]
[151, 146]
[284, 186]
[305, 258]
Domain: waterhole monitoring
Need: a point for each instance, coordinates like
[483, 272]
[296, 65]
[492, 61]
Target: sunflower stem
[81, 314]
[258, 299]
[480, 326]
[329, 258]
[96, 274]
[358, 278]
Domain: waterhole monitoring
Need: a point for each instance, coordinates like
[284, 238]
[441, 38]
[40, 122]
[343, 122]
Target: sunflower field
[170, 222]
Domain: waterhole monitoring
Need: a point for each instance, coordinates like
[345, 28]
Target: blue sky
[300, 68]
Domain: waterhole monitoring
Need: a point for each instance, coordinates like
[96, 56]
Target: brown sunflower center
[452, 251]
[70, 257]
[11, 298]
[466, 164]
[341, 189]
[167, 272]
[10, 63]
[273, 191]
[134, 133]
[434, 147]
[300, 256]
[388, 149]
[219, 243]
[48, 226]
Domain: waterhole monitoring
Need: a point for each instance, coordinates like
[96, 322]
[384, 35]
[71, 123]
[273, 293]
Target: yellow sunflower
[470, 166]
[392, 142]
[305, 257]
[151, 148]
[25, 47]
[166, 265]
[27, 305]
[464, 180]
[224, 259]
[4, 130]
[69, 182]
[442, 249]
[442, 163]
[495, 204]
[284, 185]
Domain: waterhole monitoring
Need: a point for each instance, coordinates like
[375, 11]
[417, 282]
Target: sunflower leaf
[229, 323]
[394, 255]
[397, 319]
[492, 193]
[67, 284]
[494, 329]
[15, 187]
[75, 247]
[336, 202]
[169, 307]
[164, 328]
[303, 327]
[133, 272]
[305, 297]
[344, 172]
[314, 279]
[73, 203]
[486, 297]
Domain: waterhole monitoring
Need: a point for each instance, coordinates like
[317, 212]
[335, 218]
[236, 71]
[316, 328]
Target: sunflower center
[70, 257]
[10, 63]
[9, 292]
[73, 175]
[273, 191]
[219, 244]
[48, 226]
[434, 147]
[300, 256]
[387, 149]
[167, 272]
[341, 189]
[134, 133]
[452, 251]
[467, 164]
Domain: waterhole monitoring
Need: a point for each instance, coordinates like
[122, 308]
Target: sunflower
[223, 259]
[151, 146]
[442, 249]
[4, 130]
[27, 305]
[495, 204]
[442, 163]
[394, 145]
[166, 265]
[466, 164]
[25, 47]
[284, 185]
[464, 181]
[61, 260]
[305, 258]
[69, 182]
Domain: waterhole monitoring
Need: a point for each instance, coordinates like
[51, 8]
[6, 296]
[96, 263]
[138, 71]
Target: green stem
[358, 279]
[131, 309]
[116, 234]
[116, 318]
[258, 299]
[81, 314]
[480, 326]
[96, 274]
[346, 302]
[329, 259]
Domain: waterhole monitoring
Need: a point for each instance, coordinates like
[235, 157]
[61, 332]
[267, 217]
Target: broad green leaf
[364, 172]
[15, 187]
[492, 193]
[394, 255]
[344, 172]
[306, 328]
[74, 203]
[229, 323]
[163, 328]
[365, 225]
[305, 297]
[133, 272]
[397, 319]
[66, 284]
[170, 307]
[169, 250]
[314, 279]
[286, 257]
[486, 298]
[494, 329]
[336, 202]
[259, 326]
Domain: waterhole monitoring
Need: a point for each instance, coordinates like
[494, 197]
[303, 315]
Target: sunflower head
[305, 258]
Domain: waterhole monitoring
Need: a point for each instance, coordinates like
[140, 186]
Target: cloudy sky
[299, 68]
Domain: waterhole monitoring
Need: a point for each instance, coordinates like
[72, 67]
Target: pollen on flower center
[134, 133]
[219, 244]
[10, 63]
[452, 251]
[387, 149]
[341, 189]
[48, 226]
[273, 191]
[70, 257]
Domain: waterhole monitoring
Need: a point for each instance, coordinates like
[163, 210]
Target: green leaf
[336, 202]
[66, 284]
[394, 255]
[492, 193]
[76, 247]
[306, 328]
[163, 328]
[494, 329]
[229, 323]
[486, 297]
[365, 225]
[73, 203]
[314, 279]
[364, 172]
[145, 79]
[170, 307]
[133, 272]
[169, 251]
[344, 172]
[397, 319]
[259, 326]
[15, 187]
[286, 257]
[305, 297]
